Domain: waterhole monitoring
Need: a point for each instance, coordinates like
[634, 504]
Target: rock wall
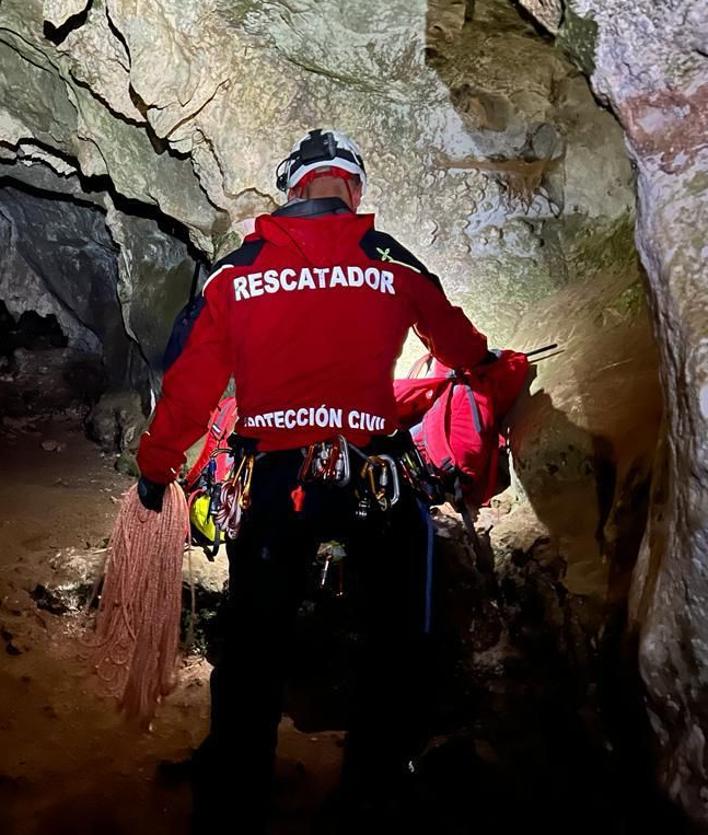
[170, 121]
[113, 282]
[58, 262]
[548, 170]
[49, 244]
[648, 61]
[584, 436]
[187, 109]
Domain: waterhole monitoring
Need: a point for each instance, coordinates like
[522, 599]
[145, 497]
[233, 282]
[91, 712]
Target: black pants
[386, 563]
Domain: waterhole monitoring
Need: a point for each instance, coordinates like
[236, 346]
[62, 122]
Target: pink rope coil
[135, 644]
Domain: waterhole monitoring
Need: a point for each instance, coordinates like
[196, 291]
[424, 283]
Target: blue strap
[427, 520]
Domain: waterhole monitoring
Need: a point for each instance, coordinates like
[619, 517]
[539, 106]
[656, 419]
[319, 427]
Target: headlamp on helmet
[329, 149]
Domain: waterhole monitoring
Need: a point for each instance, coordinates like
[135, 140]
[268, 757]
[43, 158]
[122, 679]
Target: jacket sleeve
[444, 329]
[191, 388]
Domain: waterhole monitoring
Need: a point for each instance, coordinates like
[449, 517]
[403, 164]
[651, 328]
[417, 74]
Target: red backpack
[221, 425]
[454, 418]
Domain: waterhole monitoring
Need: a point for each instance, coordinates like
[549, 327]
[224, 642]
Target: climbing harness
[375, 479]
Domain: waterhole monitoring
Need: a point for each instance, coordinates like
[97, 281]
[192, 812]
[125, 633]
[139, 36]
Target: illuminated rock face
[187, 109]
[171, 122]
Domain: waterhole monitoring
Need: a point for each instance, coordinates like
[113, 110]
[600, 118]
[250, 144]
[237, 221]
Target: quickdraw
[378, 480]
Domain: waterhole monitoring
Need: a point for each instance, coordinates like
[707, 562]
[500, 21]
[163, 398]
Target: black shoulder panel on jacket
[244, 256]
[182, 327]
[382, 247]
[187, 317]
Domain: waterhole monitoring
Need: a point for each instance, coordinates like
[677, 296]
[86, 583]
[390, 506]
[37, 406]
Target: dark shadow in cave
[599, 717]
[98, 183]
[58, 34]
[27, 378]
[68, 358]
[131, 208]
[30, 331]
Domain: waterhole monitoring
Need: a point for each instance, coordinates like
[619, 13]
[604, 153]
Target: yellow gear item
[201, 520]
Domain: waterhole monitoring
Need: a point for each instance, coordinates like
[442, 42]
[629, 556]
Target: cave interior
[499, 157]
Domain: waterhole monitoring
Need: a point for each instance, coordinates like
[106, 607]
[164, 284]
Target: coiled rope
[135, 643]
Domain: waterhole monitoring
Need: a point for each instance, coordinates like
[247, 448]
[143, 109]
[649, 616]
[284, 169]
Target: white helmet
[330, 149]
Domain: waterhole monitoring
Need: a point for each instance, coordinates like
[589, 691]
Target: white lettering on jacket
[319, 278]
[323, 417]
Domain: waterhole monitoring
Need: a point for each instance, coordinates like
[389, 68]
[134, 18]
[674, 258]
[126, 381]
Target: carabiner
[386, 466]
[246, 480]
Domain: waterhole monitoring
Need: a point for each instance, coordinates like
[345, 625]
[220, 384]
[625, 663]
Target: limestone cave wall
[648, 62]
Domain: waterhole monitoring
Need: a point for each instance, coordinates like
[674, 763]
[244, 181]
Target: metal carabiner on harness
[327, 461]
[419, 476]
[381, 474]
[236, 496]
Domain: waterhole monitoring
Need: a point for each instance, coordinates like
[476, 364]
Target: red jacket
[309, 317]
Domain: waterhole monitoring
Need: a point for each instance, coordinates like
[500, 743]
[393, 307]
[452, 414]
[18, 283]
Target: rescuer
[309, 316]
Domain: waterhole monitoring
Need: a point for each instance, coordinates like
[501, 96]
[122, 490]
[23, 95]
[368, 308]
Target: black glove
[151, 494]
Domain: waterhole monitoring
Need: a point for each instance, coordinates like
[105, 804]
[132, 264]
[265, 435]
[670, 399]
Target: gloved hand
[151, 494]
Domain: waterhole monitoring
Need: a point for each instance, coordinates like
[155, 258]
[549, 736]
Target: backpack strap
[469, 391]
[434, 428]
[183, 325]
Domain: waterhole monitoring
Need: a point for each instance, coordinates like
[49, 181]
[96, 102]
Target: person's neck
[314, 206]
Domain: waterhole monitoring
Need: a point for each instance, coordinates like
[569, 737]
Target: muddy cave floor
[70, 764]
